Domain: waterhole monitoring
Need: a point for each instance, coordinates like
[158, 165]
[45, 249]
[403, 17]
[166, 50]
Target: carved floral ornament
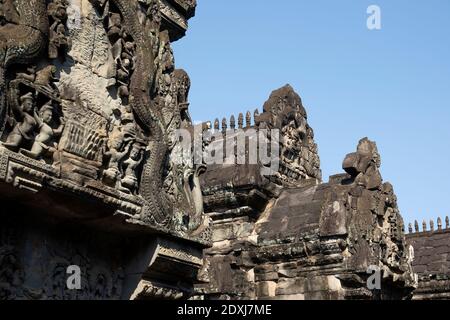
[92, 93]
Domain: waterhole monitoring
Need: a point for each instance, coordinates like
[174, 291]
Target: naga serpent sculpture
[157, 207]
[24, 33]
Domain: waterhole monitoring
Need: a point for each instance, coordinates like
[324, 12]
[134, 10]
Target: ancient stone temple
[92, 188]
[287, 235]
[90, 100]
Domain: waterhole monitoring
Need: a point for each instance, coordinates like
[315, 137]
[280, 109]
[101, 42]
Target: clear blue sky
[392, 85]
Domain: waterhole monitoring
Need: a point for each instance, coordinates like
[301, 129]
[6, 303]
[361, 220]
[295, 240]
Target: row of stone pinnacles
[90, 100]
[430, 226]
[231, 123]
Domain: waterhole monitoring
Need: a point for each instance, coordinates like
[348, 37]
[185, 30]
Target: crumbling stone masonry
[290, 236]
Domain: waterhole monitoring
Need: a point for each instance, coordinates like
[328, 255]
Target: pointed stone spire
[206, 126]
[248, 119]
[439, 221]
[431, 225]
[232, 123]
[410, 228]
[224, 125]
[447, 223]
[424, 226]
[241, 121]
[416, 226]
[216, 125]
[256, 117]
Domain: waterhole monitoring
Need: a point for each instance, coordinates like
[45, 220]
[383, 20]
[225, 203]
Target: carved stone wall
[35, 257]
[90, 101]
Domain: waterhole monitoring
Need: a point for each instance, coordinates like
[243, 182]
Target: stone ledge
[41, 187]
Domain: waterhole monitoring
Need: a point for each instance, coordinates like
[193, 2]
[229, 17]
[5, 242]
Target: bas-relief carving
[102, 105]
[11, 270]
[58, 39]
[170, 12]
[375, 216]
[90, 102]
[283, 115]
[40, 272]
[148, 289]
[182, 181]
[299, 153]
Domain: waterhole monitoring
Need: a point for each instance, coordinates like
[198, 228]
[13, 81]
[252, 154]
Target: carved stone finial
[439, 223]
[447, 223]
[256, 117]
[206, 126]
[216, 125]
[224, 125]
[232, 123]
[241, 121]
[431, 225]
[365, 163]
[424, 225]
[416, 226]
[248, 119]
[410, 228]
